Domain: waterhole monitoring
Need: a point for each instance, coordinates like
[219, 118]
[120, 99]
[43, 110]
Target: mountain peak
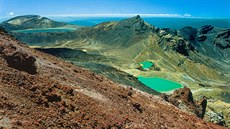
[133, 19]
[136, 23]
[138, 17]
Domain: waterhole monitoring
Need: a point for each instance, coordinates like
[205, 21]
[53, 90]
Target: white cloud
[11, 13]
[187, 15]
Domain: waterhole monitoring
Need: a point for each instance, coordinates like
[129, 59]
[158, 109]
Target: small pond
[147, 64]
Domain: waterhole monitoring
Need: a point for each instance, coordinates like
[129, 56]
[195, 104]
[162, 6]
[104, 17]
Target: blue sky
[174, 8]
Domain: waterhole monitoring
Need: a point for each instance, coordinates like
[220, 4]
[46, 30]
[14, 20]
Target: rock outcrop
[183, 99]
[205, 29]
[188, 33]
[16, 58]
[171, 42]
[222, 40]
[22, 62]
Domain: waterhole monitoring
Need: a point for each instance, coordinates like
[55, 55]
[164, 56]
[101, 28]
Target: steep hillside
[40, 91]
[211, 41]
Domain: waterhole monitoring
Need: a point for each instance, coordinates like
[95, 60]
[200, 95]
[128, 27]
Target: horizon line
[144, 15]
[123, 15]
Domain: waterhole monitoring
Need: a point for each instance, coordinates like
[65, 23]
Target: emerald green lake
[46, 30]
[146, 64]
[159, 84]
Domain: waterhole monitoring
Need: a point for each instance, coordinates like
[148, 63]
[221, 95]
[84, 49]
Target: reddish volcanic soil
[40, 91]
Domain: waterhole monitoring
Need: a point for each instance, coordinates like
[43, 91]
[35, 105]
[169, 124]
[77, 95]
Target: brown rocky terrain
[40, 91]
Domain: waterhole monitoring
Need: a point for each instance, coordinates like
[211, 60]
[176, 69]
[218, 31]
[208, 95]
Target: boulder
[22, 62]
[17, 58]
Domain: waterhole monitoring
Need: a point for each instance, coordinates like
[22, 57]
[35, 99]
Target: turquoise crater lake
[147, 64]
[159, 84]
[45, 30]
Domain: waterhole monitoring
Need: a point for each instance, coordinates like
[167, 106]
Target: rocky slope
[39, 91]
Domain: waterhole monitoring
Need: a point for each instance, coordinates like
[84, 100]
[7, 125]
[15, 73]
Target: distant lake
[175, 23]
[45, 30]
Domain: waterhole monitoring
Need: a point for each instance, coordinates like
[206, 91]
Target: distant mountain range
[31, 21]
[198, 58]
